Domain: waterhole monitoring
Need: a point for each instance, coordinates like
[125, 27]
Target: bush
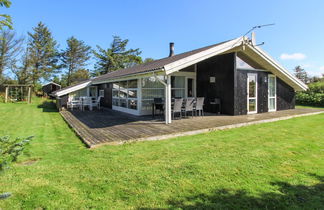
[314, 96]
[10, 150]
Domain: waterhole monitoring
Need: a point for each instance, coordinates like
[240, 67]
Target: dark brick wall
[285, 96]
[240, 107]
[107, 100]
[222, 68]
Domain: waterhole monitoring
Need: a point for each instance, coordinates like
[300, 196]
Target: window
[177, 87]
[272, 93]
[124, 94]
[240, 64]
[151, 88]
[102, 93]
[93, 92]
[77, 94]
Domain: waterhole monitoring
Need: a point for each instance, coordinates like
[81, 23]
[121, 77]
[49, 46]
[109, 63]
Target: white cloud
[322, 68]
[294, 56]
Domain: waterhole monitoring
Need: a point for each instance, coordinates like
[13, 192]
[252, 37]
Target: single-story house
[50, 87]
[243, 76]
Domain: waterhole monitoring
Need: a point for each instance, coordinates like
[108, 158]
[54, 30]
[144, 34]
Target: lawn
[274, 165]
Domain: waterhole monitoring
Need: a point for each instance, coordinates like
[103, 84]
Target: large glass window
[125, 94]
[177, 87]
[272, 93]
[151, 88]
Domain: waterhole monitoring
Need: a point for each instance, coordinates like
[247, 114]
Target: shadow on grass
[289, 197]
[48, 106]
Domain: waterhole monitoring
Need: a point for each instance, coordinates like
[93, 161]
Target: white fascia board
[72, 89]
[195, 58]
[280, 68]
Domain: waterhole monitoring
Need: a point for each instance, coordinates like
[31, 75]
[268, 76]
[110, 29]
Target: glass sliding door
[272, 102]
[252, 93]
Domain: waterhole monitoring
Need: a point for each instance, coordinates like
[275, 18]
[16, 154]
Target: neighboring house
[50, 87]
[241, 74]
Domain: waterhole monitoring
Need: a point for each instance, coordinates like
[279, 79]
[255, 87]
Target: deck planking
[113, 127]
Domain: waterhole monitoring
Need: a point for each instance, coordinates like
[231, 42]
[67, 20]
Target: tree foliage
[301, 74]
[10, 48]
[5, 20]
[42, 52]
[23, 71]
[10, 149]
[75, 57]
[116, 57]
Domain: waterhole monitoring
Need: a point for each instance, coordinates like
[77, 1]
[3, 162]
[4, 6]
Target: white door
[272, 101]
[252, 93]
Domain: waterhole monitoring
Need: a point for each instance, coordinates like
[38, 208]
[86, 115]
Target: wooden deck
[112, 127]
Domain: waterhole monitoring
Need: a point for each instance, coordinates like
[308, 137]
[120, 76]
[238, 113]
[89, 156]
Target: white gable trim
[72, 89]
[195, 58]
[299, 85]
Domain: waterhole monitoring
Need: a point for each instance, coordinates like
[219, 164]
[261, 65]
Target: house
[50, 88]
[244, 77]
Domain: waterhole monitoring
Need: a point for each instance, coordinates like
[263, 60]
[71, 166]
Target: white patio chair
[189, 106]
[200, 106]
[177, 107]
[86, 102]
[74, 104]
[96, 103]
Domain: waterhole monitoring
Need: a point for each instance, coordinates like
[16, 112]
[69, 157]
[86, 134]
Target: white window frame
[102, 93]
[126, 109]
[256, 93]
[272, 97]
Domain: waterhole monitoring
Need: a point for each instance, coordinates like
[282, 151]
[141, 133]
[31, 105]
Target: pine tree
[10, 48]
[43, 53]
[75, 57]
[116, 57]
[301, 74]
[5, 20]
[23, 72]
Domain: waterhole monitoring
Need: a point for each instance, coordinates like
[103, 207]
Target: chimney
[253, 40]
[171, 49]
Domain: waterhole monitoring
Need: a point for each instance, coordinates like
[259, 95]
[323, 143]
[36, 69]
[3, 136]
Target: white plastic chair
[73, 104]
[177, 107]
[86, 101]
[200, 106]
[189, 106]
[96, 103]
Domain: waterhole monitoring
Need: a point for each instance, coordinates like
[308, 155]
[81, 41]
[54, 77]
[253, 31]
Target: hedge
[314, 96]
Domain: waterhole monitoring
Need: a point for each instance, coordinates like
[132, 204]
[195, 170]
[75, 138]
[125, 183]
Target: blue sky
[296, 39]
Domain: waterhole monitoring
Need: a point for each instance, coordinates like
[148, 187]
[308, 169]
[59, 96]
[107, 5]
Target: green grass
[274, 165]
[309, 107]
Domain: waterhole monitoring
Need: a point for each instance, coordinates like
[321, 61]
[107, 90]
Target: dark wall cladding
[240, 107]
[222, 68]
[285, 96]
[107, 100]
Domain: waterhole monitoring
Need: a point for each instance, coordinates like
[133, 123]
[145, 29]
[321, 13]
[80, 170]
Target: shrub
[10, 150]
[314, 96]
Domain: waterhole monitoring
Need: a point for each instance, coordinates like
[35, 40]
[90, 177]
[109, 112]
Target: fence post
[29, 94]
[6, 97]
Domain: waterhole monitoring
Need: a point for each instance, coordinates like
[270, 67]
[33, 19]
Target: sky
[297, 38]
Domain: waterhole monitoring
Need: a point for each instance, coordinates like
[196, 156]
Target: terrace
[112, 127]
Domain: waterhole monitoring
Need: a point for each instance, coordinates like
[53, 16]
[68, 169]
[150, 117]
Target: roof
[177, 62]
[151, 66]
[53, 83]
[71, 88]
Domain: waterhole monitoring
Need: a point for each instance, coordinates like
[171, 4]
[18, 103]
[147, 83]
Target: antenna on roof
[253, 28]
